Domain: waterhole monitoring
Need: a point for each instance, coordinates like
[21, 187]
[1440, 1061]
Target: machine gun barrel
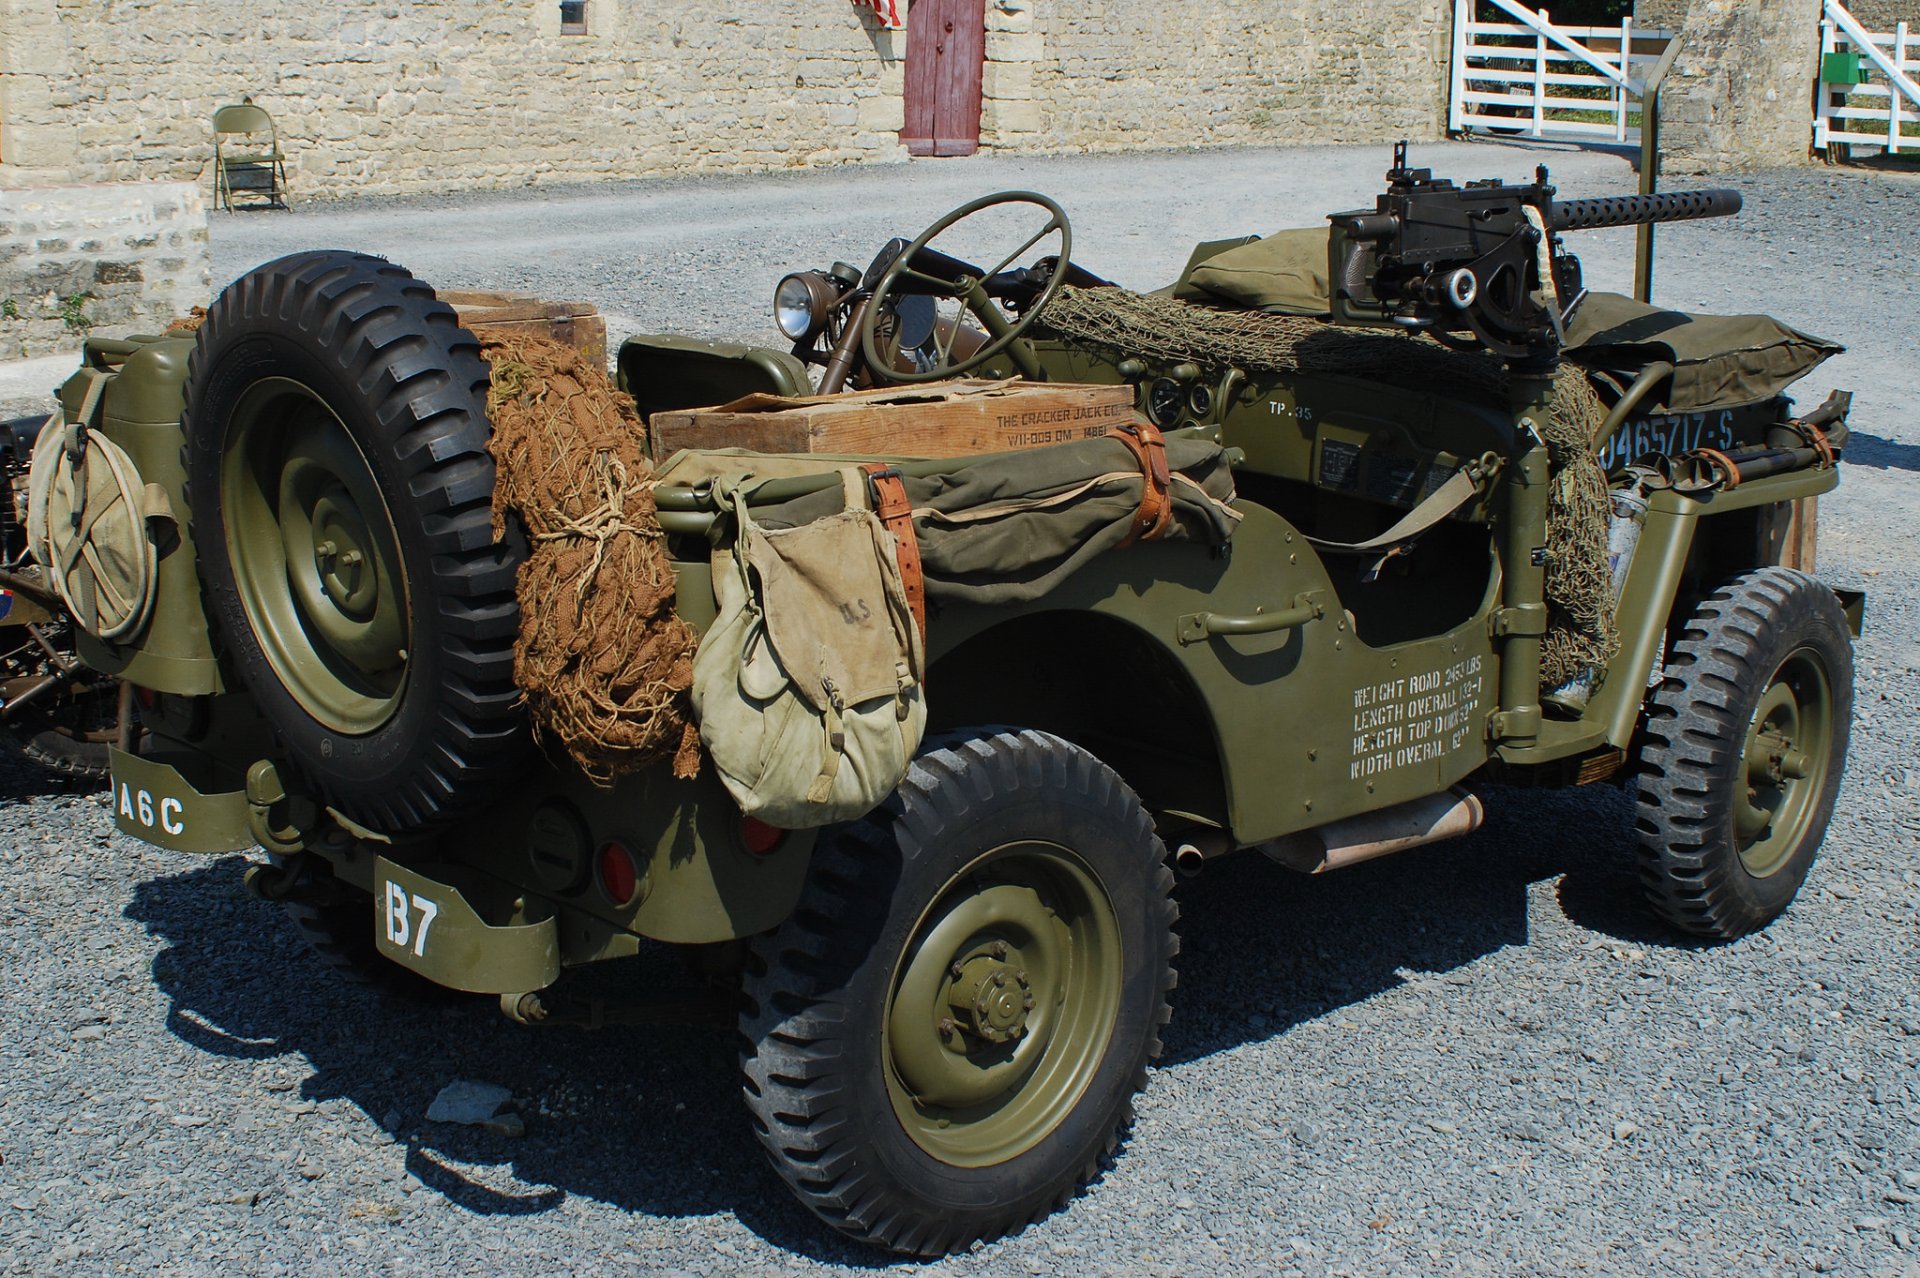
[1639, 210]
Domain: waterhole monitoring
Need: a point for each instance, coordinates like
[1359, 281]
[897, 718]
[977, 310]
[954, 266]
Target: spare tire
[341, 496]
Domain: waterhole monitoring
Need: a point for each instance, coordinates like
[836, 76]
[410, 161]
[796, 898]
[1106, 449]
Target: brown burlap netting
[1580, 631]
[604, 662]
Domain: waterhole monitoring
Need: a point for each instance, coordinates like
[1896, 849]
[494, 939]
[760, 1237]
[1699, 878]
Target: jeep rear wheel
[944, 1039]
[341, 494]
[1745, 742]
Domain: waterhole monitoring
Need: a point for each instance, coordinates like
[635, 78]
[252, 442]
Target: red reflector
[759, 837]
[619, 877]
[147, 698]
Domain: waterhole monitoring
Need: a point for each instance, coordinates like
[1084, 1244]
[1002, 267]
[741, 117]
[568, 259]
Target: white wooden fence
[1873, 111]
[1532, 78]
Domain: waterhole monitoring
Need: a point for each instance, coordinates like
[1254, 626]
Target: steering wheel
[923, 270]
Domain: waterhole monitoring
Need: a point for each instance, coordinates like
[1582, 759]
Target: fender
[1307, 723]
[1653, 583]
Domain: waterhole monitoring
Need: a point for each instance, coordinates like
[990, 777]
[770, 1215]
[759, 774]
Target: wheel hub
[991, 998]
[1003, 1004]
[1784, 747]
[347, 576]
[316, 558]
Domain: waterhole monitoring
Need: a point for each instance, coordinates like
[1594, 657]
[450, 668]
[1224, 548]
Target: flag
[887, 11]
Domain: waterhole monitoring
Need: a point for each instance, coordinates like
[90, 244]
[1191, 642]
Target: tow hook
[284, 880]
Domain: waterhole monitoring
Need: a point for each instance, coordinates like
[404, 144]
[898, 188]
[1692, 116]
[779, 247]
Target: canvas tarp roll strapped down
[1008, 529]
[1717, 359]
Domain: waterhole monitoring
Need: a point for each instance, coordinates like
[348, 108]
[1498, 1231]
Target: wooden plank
[576, 324]
[922, 75]
[956, 112]
[944, 419]
[1802, 531]
[946, 54]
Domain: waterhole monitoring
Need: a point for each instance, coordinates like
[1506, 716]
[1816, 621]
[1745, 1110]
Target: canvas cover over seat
[1717, 359]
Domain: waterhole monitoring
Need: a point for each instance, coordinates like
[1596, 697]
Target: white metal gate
[1531, 78]
[1868, 91]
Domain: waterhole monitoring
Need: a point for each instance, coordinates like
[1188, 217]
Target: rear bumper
[154, 801]
[429, 927]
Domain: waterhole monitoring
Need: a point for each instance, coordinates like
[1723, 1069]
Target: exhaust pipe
[1192, 855]
[1338, 844]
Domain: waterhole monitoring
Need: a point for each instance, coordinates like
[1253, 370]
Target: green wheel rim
[1784, 765]
[1003, 1004]
[316, 560]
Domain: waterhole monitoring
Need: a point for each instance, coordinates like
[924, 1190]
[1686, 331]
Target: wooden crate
[576, 324]
[940, 419]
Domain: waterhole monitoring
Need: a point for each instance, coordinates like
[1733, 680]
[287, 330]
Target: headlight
[801, 304]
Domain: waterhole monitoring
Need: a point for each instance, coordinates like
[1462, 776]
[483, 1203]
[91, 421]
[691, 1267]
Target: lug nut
[946, 1027]
[999, 949]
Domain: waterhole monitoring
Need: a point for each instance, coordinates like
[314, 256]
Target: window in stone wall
[573, 17]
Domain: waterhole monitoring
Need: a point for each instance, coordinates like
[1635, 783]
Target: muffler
[1338, 844]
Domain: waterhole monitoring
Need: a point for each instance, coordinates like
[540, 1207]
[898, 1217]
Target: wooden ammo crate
[939, 419]
[576, 324]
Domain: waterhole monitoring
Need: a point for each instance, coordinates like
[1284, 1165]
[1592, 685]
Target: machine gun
[1486, 257]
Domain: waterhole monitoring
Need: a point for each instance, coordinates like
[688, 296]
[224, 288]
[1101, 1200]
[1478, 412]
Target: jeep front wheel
[945, 1037]
[1745, 741]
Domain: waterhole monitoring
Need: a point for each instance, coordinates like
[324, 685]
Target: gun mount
[1485, 257]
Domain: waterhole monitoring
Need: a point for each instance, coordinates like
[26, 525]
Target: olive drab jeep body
[949, 1000]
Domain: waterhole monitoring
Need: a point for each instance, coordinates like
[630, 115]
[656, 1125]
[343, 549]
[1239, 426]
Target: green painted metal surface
[140, 411]
[428, 926]
[153, 801]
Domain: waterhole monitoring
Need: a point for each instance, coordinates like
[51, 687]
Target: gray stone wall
[108, 260]
[1095, 75]
[1740, 94]
[376, 98]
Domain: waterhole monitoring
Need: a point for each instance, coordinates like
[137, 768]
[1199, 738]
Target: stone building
[372, 96]
[384, 97]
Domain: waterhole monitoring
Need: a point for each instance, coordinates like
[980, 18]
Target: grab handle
[1197, 627]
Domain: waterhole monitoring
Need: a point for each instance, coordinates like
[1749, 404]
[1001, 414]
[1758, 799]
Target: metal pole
[1521, 621]
[1650, 164]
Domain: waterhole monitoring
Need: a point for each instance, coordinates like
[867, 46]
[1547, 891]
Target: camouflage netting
[603, 661]
[1580, 630]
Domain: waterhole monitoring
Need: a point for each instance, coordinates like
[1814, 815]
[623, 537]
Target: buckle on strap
[888, 492]
[1149, 448]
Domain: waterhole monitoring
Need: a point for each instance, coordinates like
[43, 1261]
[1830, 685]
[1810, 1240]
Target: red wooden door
[946, 47]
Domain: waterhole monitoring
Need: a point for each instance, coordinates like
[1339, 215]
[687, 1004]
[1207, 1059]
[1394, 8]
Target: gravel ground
[1480, 1057]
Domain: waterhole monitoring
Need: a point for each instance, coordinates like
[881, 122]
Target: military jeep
[948, 1002]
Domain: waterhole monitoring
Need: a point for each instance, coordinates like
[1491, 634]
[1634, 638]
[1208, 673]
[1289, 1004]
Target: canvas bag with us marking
[807, 687]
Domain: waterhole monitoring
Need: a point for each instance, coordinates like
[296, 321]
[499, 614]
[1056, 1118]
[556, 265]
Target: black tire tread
[1695, 729]
[790, 1023]
[57, 752]
[415, 366]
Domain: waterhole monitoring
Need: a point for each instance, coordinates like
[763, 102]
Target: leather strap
[896, 514]
[1822, 446]
[1729, 472]
[1149, 449]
